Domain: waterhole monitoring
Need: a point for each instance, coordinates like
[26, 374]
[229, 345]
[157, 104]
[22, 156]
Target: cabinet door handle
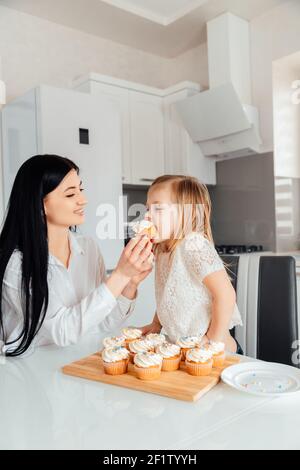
[147, 179]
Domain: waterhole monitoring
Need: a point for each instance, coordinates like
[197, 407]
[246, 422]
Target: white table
[40, 408]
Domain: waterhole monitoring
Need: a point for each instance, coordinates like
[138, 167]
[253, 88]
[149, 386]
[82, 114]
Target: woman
[53, 286]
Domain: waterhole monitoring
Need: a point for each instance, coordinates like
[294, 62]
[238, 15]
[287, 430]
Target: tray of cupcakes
[153, 354]
[181, 370]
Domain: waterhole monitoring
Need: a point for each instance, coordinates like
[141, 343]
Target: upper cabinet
[146, 137]
[119, 98]
[154, 140]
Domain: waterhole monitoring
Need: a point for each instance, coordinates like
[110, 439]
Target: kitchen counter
[41, 408]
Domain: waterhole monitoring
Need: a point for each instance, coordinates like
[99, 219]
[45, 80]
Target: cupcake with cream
[147, 365]
[156, 338]
[115, 360]
[131, 334]
[138, 346]
[218, 351]
[199, 361]
[144, 226]
[113, 341]
[186, 343]
[171, 354]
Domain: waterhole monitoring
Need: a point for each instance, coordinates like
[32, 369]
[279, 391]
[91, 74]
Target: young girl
[194, 294]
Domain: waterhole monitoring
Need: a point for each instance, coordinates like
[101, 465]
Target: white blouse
[79, 301]
[183, 301]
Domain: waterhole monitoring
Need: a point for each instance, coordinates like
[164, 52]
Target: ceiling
[162, 27]
[162, 12]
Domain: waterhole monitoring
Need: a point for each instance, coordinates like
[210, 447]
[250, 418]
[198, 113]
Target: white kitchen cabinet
[48, 120]
[119, 99]
[146, 136]
[183, 156]
[154, 140]
[142, 121]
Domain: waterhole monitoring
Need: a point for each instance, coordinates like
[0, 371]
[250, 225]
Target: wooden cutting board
[178, 384]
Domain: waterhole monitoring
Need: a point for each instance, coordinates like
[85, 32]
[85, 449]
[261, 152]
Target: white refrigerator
[84, 128]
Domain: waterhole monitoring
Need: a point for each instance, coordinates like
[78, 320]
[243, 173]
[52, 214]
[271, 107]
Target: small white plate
[267, 379]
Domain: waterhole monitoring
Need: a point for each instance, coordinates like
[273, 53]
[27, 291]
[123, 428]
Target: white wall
[273, 36]
[36, 51]
[287, 152]
[286, 119]
[192, 65]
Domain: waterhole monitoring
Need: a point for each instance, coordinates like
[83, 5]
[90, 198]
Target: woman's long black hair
[25, 229]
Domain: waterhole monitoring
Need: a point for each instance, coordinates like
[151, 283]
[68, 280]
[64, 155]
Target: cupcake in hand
[218, 352]
[188, 342]
[199, 362]
[147, 365]
[144, 226]
[138, 346]
[131, 334]
[115, 360]
[114, 341]
[171, 355]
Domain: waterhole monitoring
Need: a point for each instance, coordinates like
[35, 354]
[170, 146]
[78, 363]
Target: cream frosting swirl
[156, 338]
[216, 347]
[141, 225]
[140, 345]
[115, 354]
[198, 355]
[131, 333]
[168, 350]
[147, 359]
[112, 341]
[189, 341]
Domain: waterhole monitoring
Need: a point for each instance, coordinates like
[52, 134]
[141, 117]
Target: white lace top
[183, 301]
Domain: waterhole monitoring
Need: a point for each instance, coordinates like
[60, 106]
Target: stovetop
[238, 249]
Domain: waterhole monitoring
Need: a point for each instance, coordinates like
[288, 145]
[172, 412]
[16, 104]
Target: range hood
[222, 119]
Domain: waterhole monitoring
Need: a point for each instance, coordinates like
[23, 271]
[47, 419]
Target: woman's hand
[131, 289]
[136, 280]
[136, 260]
[136, 257]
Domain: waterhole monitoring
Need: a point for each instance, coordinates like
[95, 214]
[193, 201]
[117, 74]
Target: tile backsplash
[244, 203]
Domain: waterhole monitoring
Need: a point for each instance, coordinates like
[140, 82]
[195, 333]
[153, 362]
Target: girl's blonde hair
[187, 191]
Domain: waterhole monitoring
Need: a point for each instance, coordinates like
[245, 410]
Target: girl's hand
[136, 258]
[153, 327]
[204, 341]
